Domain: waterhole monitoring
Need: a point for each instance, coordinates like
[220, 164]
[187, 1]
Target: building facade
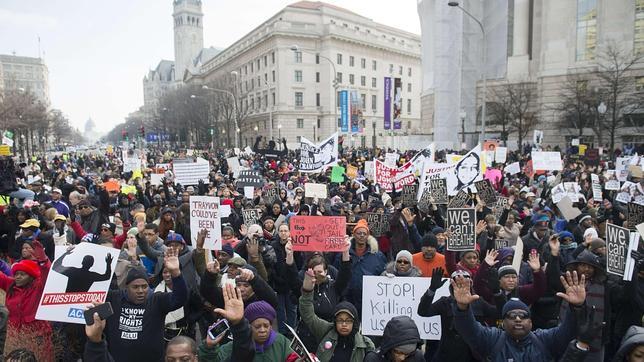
[30, 74]
[290, 69]
[547, 43]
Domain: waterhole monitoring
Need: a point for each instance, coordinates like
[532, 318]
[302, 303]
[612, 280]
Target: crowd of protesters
[557, 303]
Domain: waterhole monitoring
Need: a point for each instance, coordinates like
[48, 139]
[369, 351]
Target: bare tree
[578, 104]
[513, 109]
[618, 87]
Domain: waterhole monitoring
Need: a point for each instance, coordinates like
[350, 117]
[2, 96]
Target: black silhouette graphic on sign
[81, 279]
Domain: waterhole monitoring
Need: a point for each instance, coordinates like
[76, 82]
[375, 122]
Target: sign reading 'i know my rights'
[205, 214]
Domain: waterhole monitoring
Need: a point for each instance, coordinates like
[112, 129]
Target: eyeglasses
[83, 207]
[105, 229]
[402, 261]
[344, 321]
[523, 315]
[361, 233]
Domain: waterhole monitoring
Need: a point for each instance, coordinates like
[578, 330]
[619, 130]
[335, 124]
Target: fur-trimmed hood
[371, 242]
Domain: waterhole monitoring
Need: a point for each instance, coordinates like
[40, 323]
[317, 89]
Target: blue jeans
[286, 313]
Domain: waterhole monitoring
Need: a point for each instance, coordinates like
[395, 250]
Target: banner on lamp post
[344, 111]
[387, 98]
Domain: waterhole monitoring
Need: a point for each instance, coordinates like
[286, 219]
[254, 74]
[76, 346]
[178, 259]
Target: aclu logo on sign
[75, 313]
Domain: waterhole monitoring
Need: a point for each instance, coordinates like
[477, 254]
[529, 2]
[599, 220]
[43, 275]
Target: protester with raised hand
[516, 341]
[339, 340]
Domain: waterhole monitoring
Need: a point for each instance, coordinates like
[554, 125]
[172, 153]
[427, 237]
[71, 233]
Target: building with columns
[283, 72]
[541, 44]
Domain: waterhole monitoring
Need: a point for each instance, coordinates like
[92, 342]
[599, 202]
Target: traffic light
[142, 132]
[124, 135]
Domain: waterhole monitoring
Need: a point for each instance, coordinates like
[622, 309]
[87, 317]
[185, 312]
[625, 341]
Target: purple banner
[397, 102]
[387, 115]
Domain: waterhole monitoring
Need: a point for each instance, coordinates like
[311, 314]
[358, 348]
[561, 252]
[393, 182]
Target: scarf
[269, 342]
[572, 245]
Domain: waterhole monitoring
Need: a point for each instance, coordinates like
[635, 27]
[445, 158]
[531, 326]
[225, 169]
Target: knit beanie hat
[405, 254]
[134, 274]
[513, 304]
[228, 249]
[28, 266]
[505, 270]
[596, 243]
[260, 309]
[429, 239]
[591, 231]
[362, 224]
[133, 232]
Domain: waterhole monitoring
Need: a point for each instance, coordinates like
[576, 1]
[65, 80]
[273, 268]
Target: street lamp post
[483, 108]
[205, 87]
[296, 48]
[279, 133]
[315, 140]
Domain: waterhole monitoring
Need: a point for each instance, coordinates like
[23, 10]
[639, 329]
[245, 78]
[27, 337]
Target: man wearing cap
[585, 221]
[57, 203]
[135, 331]
[90, 218]
[538, 235]
[29, 233]
[428, 259]
[516, 341]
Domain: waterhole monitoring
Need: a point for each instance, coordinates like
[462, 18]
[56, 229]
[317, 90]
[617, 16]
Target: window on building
[409, 87]
[245, 70]
[351, 61]
[339, 77]
[374, 100]
[337, 99]
[317, 77]
[273, 97]
[265, 61]
[363, 63]
[298, 57]
[300, 123]
[252, 67]
[586, 29]
[639, 84]
[409, 106]
[374, 65]
[298, 76]
[374, 82]
[351, 79]
[266, 77]
[272, 57]
[259, 103]
[252, 83]
[299, 99]
[273, 75]
[339, 59]
[259, 81]
[265, 100]
[363, 81]
[317, 99]
[252, 103]
[363, 101]
[298, 139]
[638, 36]
[258, 65]
[317, 58]
[400, 70]
[409, 72]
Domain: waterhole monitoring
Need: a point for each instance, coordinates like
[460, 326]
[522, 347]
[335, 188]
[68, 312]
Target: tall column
[521, 30]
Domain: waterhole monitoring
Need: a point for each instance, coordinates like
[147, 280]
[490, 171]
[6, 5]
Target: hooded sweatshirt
[399, 331]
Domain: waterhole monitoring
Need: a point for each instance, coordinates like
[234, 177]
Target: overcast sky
[98, 51]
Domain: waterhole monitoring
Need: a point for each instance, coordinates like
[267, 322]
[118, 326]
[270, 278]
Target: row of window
[299, 101]
[363, 79]
[363, 63]
[256, 65]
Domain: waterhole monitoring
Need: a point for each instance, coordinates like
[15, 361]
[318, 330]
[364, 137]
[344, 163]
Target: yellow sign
[110, 149]
[582, 149]
[5, 150]
[352, 171]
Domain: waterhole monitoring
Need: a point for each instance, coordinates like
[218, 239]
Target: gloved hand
[437, 279]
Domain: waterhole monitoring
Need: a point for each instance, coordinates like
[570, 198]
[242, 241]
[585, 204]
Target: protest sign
[205, 213]
[337, 174]
[566, 208]
[546, 161]
[378, 223]
[298, 347]
[314, 158]
[467, 171]
[385, 175]
[486, 192]
[352, 171]
[5, 150]
[77, 278]
[537, 137]
[597, 188]
[131, 164]
[635, 215]
[432, 171]
[155, 179]
[249, 178]
[318, 233]
[513, 168]
[582, 149]
[591, 158]
[251, 216]
[572, 190]
[316, 191]
[249, 192]
[621, 168]
[461, 223]
[501, 154]
[409, 193]
[460, 200]
[501, 243]
[233, 165]
[630, 261]
[435, 188]
[617, 240]
[391, 158]
[189, 173]
[501, 203]
[369, 170]
[384, 298]
[271, 195]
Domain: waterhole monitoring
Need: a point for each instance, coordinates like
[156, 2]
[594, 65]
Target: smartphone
[220, 327]
[104, 311]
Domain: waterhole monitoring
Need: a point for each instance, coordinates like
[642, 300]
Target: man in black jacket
[138, 321]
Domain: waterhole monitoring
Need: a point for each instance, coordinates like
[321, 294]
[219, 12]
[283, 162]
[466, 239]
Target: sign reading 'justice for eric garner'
[318, 233]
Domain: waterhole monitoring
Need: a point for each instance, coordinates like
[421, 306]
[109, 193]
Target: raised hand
[201, 238]
[95, 331]
[246, 275]
[171, 261]
[533, 260]
[437, 279]
[490, 257]
[309, 280]
[346, 256]
[289, 252]
[409, 216]
[462, 292]
[108, 259]
[555, 245]
[480, 226]
[233, 305]
[575, 288]
[243, 230]
[213, 267]
[252, 247]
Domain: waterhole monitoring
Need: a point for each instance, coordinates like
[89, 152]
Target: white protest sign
[546, 161]
[630, 262]
[316, 191]
[617, 240]
[391, 158]
[369, 170]
[190, 173]
[315, 158]
[574, 142]
[537, 137]
[566, 208]
[384, 298]
[597, 188]
[501, 154]
[155, 179]
[233, 165]
[131, 164]
[77, 278]
[249, 192]
[224, 210]
[206, 213]
[513, 168]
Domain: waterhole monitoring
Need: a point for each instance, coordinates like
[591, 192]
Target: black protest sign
[591, 157]
[251, 216]
[378, 223]
[298, 347]
[635, 215]
[461, 222]
[249, 178]
[460, 200]
[486, 192]
[501, 243]
[436, 188]
[425, 202]
[271, 195]
[409, 193]
[501, 203]
[617, 240]
[372, 200]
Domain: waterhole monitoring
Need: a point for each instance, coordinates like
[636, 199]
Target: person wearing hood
[166, 222]
[403, 266]
[451, 346]
[340, 340]
[632, 348]
[537, 237]
[567, 247]
[585, 221]
[400, 342]
[90, 217]
[469, 261]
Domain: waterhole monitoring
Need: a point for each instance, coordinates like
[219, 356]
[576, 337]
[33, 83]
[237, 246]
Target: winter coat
[280, 277]
[528, 293]
[399, 331]
[496, 345]
[634, 336]
[371, 263]
[240, 349]
[391, 270]
[325, 331]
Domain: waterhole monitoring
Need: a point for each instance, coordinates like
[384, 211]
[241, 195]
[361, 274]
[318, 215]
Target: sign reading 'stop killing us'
[462, 225]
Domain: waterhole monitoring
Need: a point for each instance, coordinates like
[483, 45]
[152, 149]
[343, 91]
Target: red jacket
[22, 303]
[117, 241]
